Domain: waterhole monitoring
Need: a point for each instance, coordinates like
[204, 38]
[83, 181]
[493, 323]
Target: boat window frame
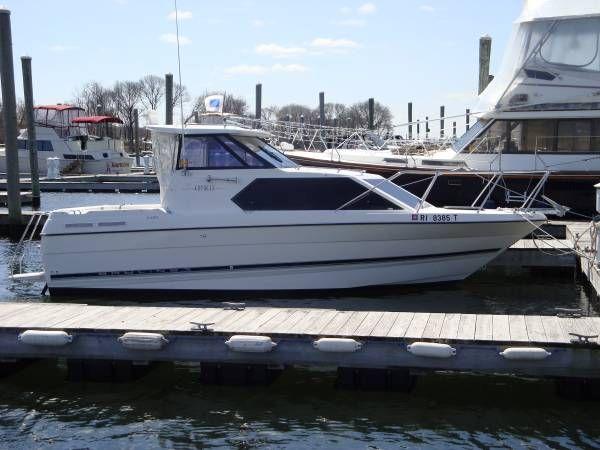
[219, 138]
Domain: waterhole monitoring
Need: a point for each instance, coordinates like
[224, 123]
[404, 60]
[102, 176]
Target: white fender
[525, 353]
[431, 350]
[45, 338]
[135, 340]
[337, 345]
[250, 344]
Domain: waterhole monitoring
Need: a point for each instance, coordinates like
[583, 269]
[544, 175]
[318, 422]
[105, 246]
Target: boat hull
[281, 258]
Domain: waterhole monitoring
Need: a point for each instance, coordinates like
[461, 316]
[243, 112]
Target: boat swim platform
[541, 346]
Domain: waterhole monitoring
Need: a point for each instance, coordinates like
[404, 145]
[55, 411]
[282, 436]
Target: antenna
[179, 72]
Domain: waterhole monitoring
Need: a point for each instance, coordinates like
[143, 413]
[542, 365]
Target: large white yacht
[541, 113]
[81, 143]
[235, 214]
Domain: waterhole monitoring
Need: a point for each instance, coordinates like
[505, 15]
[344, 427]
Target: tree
[231, 103]
[96, 99]
[270, 113]
[152, 91]
[127, 96]
[358, 114]
[180, 94]
[296, 113]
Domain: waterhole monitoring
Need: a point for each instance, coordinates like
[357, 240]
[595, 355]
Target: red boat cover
[59, 107]
[97, 119]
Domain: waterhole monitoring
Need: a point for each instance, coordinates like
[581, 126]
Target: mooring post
[9, 114]
[410, 118]
[427, 130]
[418, 128]
[136, 136]
[169, 99]
[442, 115]
[31, 137]
[371, 114]
[468, 119]
[485, 51]
[454, 129]
[322, 108]
[258, 102]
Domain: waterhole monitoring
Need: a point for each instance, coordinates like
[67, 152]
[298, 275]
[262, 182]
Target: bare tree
[96, 99]
[359, 116]
[127, 97]
[270, 113]
[296, 113]
[231, 103]
[180, 94]
[152, 91]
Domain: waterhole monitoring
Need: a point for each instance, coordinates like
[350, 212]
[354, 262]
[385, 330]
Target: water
[302, 410]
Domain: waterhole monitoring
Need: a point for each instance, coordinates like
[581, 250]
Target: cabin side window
[42, 145]
[308, 194]
[573, 43]
[216, 152]
[539, 136]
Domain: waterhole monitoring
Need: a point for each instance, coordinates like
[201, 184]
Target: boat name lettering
[204, 187]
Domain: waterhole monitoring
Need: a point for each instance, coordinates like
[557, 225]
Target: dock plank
[450, 327]
[284, 326]
[466, 327]
[239, 322]
[500, 328]
[384, 325]
[336, 323]
[348, 328]
[553, 330]
[535, 329]
[367, 325]
[434, 326]
[197, 315]
[518, 329]
[29, 315]
[401, 324]
[281, 315]
[417, 326]
[483, 327]
[315, 327]
[301, 326]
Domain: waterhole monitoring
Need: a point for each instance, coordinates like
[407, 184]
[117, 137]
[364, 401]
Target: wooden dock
[94, 183]
[478, 339]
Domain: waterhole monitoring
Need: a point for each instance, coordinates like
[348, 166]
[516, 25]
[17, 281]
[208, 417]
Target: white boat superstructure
[540, 113]
[63, 132]
[237, 215]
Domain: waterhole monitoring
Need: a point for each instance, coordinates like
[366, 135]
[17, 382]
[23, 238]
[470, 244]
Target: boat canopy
[552, 61]
[59, 107]
[96, 119]
[60, 117]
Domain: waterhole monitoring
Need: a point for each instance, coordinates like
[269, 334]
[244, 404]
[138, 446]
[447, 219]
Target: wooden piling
[427, 130]
[9, 114]
[322, 108]
[169, 99]
[410, 119]
[371, 114]
[454, 129]
[136, 136]
[485, 50]
[442, 115]
[467, 119]
[258, 102]
[31, 135]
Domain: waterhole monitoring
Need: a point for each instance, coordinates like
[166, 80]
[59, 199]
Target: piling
[322, 108]
[485, 50]
[169, 99]
[418, 128]
[410, 119]
[442, 115]
[454, 129]
[31, 137]
[258, 102]
[136, 136]
[371, 114]
[427, 130]
[9, 114]
[467, 119]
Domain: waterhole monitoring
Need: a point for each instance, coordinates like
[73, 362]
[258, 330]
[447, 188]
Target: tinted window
[266, 151]
[245, 155]
[302, 194]
[199, 152]
[42, 146]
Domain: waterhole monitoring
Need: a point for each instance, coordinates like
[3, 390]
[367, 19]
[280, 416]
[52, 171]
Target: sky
[397, 51]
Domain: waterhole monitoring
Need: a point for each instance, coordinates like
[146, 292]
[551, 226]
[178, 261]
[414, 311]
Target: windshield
[266, 151]
[400, 194]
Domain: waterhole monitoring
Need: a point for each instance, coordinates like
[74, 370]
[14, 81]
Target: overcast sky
[424, 51]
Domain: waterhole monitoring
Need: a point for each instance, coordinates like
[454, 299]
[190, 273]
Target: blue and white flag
[214, 103]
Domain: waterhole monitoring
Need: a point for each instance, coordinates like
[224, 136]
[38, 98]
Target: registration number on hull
[435, 218]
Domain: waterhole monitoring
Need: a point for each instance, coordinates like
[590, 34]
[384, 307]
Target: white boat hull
[308, 257]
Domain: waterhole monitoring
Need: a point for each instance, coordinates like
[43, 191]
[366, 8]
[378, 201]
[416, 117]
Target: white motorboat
[237, 215]
[63, 132]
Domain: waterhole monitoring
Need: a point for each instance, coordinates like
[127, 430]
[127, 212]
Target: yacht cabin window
[266, 151]
[573, 43]
[539, 136]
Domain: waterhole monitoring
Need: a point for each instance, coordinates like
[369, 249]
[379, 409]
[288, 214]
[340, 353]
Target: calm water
[170, 409]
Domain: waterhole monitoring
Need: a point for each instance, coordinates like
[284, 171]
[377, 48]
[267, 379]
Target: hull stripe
[269, 266]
